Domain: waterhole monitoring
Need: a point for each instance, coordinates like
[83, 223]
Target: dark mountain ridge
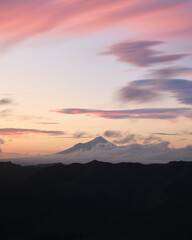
[96, 200]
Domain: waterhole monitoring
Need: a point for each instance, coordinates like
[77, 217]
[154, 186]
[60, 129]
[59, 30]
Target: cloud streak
[166, 134]
[147, 90]
[80, 135]
[22, 19]
[1, 143]
[47, 123]
[147, 113]
[112, 134]
[130, 138]
[6, 101]
[171, 72]
[140, 53]
[5, 112]
[22, 131]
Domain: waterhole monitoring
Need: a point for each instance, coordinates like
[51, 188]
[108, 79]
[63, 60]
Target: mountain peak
[99, 140]
[88, 145]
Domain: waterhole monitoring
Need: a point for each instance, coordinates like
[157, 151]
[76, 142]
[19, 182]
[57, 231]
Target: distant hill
[105, 151]
[96, 200]
[98, 141]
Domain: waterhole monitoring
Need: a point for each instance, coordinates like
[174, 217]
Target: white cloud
[143, 153]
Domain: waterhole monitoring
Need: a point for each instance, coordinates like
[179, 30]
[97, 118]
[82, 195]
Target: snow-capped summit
[96, 142]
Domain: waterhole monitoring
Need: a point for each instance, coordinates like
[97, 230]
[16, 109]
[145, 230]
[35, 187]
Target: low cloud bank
[143, 153]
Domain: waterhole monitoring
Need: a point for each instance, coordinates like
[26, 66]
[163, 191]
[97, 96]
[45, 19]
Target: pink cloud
[147, 113]
[21, 19]
[21, 131]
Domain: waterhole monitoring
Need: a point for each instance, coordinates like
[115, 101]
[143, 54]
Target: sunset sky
[72, 70]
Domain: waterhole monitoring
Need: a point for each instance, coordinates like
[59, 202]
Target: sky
[72, 70]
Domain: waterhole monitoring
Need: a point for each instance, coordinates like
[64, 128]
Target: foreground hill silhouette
[96, 200]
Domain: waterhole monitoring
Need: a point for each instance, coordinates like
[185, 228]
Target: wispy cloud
[147, 90]
[166, 134]
[1, 143]
[112, 133]
[47, 123]
[146, 113]
[5, 112]
[7, 155]
[6, 101]
[152, 139]
[141, 53]
[171, 72]
[22, 131]
[80, 135]
[136, 91]
[22, 19]
[130, 138]
[31, 117]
